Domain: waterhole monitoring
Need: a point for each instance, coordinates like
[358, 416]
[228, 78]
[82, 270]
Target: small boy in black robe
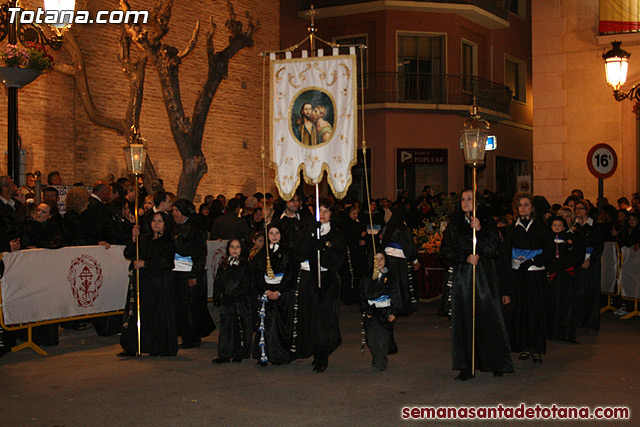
[563, 289]
[380, 302]
[233, 287]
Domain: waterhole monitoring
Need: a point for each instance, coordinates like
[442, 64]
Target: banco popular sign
[422, 157]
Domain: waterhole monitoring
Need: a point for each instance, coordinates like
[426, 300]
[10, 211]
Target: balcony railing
[449, 89]
[498, 8]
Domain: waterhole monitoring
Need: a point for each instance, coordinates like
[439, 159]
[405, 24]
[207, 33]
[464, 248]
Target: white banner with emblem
[216, 252]
[45, 284]
[313, 106]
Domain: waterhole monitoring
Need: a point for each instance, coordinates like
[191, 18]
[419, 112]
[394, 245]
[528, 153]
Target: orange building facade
[424, 63]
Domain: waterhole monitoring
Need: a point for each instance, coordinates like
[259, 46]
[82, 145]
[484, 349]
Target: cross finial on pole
[312, 15]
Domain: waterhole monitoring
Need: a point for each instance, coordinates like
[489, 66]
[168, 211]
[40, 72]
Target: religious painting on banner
[313, 107]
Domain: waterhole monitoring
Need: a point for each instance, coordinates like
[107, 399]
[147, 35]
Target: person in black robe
[121, 223]
[233, 287]
[321, 309]
[355, 235]
[402, 257]
[492, 353]
[158, 336]
[528, 247]
[380, 302]
[272, 342]
[40, 230]
[590, 271]
[563, 289]
[190, 285]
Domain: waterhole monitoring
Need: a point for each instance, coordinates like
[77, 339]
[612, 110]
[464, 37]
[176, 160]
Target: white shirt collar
[10, 202]
[518, 222]
[96, 197]
[325, 228]
[588, 221]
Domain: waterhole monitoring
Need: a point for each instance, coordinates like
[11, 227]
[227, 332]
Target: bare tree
[188, 131]
[134, 70]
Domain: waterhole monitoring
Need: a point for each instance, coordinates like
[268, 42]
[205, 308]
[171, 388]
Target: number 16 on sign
[602, 162]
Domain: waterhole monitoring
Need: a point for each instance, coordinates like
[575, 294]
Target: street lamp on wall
[14, 31]
[616, 66]
[59, 7]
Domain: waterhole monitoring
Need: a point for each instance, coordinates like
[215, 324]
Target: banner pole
[318, 221]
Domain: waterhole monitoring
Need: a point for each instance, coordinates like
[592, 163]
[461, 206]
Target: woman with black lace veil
[492, 353]
[157, 312]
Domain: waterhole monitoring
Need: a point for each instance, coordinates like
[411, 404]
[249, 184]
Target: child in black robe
[563, 289]
[380, 302]
[233, 286]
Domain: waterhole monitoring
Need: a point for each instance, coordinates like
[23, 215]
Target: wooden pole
[473, 327]
[137, 201]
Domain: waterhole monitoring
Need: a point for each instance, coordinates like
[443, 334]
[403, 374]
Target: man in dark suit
[8, 208]
[96, 215]
[230, 225]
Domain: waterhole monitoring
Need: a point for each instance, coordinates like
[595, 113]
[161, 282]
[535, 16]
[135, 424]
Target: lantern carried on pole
[473, 139]
[136, 154]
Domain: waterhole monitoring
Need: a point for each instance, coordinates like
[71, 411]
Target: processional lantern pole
[136, 154]
[473, 140]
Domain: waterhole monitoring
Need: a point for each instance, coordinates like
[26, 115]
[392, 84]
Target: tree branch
[218, 66]
[192, 43]
[80, 75]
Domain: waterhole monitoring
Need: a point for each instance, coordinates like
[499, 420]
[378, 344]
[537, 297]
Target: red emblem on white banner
[216, 259]
[85, 277]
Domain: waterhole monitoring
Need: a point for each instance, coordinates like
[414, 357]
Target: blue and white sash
[395, 250]
[182, 263]
[518, 256]
[382, 302]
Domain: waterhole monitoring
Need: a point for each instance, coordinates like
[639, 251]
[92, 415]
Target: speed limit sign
[602, 161]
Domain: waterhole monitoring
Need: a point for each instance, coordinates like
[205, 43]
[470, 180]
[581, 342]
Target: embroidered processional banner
[313, 107]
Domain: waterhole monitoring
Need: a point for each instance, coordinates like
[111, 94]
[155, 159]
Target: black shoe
[236, 360]
[536, 358]
[261, 363]
[498, 374]
[464, 375]
[127, 353]
[319, 367]
[220, 361]
[189, 344]
[524, 355]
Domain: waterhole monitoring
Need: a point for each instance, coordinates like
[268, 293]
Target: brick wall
[58, 135]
